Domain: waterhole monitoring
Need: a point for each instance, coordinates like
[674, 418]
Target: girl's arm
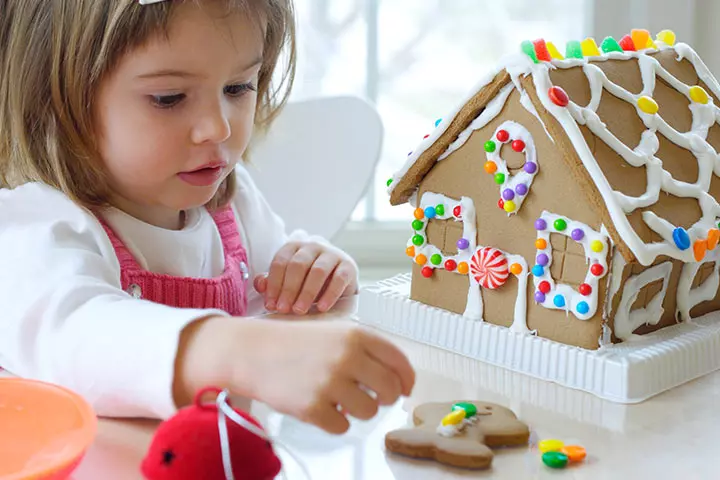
[65, 318]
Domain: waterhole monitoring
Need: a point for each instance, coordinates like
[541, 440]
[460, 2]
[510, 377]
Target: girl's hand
[307, 273]
[320, 372]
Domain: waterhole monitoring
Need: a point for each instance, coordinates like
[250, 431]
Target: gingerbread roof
[652, 111]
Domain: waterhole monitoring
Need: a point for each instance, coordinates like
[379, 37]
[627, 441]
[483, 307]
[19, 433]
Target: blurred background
[415, 60]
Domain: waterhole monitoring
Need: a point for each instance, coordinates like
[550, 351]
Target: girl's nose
[212, 127]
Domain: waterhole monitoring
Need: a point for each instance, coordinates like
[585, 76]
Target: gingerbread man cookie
[460, 434]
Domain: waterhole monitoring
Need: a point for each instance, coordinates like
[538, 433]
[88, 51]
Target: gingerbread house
[573, 197]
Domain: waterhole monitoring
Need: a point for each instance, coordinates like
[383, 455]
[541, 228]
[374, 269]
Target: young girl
[131, 236]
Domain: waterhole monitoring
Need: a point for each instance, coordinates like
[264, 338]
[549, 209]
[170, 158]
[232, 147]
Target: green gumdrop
[389, 182]
[529, 49]
[560, 225]
[490, 146]
[610, 45]
[418, 240]
[499, 178]
[470, 409]
[417, 225]
[440, 210]
[436, 259]
[573, 49]
[555, 459]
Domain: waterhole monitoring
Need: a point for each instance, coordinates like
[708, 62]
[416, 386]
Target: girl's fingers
[380, 379]
[342, 277]
[354, 401]
[315, 281]
[276, 275]
[295, 273]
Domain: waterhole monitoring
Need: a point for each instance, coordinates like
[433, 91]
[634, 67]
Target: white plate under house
[628, 372]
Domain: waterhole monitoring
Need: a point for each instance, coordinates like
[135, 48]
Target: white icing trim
[571, 299]
[511, 182]
[626, 321]
[614, 281]
[688, 297]
[474, 306]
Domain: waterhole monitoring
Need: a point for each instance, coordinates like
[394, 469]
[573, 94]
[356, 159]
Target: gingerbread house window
[444, 234]
[647, 294]
[569, 264]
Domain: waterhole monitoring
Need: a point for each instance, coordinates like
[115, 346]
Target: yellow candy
[699, 95]
[667, 37]
[554, 52]
[589, 48]
[550, 446]
[454, 418]
[597, 246]
[648, 105]
[509, 206]
[651, 44]
[640, 38]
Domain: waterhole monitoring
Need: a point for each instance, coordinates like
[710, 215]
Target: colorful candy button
[699, 95]
[490, 167]
[436, 259]
[577, 234]
[518, 146]
[418, 240]
[585, 289]
[516, 269]
[583, 308]
[681, 238]
[440, 210]
[503, 136]
[538, 270]
[597, 269]
[410, 251]
[540, 224]
[530, 167]
[575, 453]
[450, 265]
[540, 297]
[499, 178]
[544, 287]
[463, 268]
[427, 272]
[509, 206]
[560, 225]
[463, 244]
[419, 213]
[597, 246]
[490, 146]
[430, 212]
[541, 243]
[417, 225]
[558, 96]
[648, 105]
[454, 418]
[421, 259]
[550, 445]
[469, 408]
[555, 459]
[559, 301]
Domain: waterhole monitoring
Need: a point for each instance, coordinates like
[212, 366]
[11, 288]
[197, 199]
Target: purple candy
[462, 244]
[540, 224]
[539, 297]
[508, 194]
[543, 260]
[530, 167]
[577, 234]
[521, 189]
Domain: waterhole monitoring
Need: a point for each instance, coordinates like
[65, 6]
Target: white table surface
[675, 435]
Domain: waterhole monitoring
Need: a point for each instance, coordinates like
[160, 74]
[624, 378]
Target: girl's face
[175, 115]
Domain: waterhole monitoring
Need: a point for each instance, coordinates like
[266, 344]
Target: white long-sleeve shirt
[64, 317]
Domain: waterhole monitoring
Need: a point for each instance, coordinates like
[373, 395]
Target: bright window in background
[416, 60]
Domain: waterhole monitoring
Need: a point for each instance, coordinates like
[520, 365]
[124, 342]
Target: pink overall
[226, 292]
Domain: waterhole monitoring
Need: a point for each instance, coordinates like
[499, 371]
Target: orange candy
[410, 251]
[713, 238]
[421, 259]
[575, 453]
[419, 213]
[516, 269]
[463, 268]
[490, 167]
[700, 249]
[541, 244]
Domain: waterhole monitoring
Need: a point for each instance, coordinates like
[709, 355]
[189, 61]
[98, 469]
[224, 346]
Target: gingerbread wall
[554, 189]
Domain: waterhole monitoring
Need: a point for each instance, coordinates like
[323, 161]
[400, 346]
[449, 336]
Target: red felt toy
[189, 446]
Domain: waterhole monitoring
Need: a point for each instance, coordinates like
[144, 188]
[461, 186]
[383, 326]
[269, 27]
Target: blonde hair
[55, 53]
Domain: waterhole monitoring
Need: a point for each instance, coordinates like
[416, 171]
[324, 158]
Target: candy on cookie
[459, 434]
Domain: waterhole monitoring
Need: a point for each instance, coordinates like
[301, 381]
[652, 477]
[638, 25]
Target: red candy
[450, 265]
[489, 267]
[426, 136]
[501, 204]
[627, 44]
[457, 211]
[503, 136]
[541, 50]
[518, 146]
[585, 289]
[597, 269]
[544, 287]
[427, 272]
[558, 96]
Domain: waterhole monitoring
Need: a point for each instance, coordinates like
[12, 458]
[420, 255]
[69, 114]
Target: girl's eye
[239, 89]
[167, 101]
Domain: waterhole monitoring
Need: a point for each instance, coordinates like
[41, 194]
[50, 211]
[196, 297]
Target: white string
[226, 411]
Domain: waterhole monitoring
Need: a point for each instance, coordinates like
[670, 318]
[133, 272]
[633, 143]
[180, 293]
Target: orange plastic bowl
[45, 430]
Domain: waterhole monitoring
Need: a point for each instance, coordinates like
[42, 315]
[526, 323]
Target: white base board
[630, 372]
